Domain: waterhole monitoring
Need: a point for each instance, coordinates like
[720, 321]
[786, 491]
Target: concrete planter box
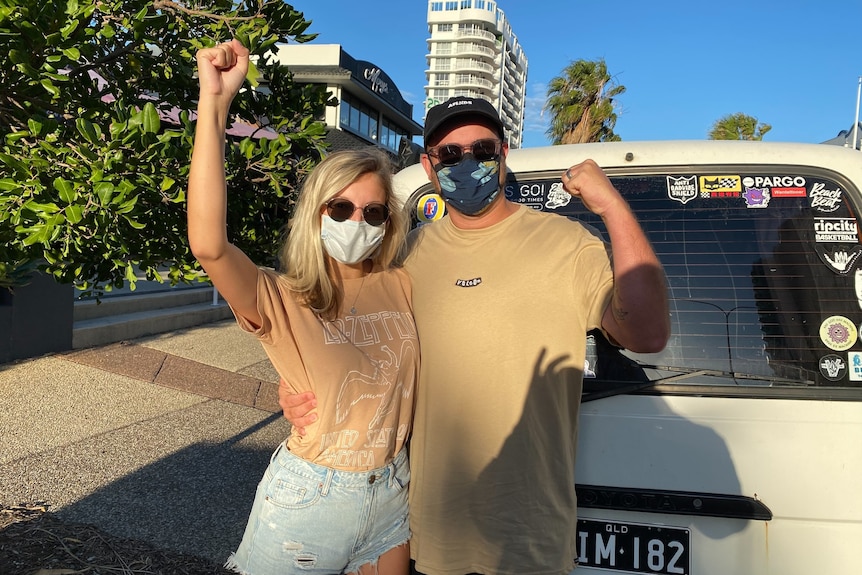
[36, 319]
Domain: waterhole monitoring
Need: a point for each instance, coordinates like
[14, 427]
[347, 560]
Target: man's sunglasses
[340, 209]
[452, 154]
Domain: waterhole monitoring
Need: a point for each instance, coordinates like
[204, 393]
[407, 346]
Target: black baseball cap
[457, 107]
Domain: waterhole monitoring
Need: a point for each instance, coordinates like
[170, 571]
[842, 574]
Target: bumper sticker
[720, 186]
[429, 208]
[855, 366]
[838, 333]
[833, 367]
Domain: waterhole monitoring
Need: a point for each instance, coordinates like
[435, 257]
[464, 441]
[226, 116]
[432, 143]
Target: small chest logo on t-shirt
[468, 283]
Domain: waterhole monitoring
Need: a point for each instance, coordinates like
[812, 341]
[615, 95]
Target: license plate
[633, 547]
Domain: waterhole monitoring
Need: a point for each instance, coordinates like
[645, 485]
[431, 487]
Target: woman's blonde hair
[302, 257]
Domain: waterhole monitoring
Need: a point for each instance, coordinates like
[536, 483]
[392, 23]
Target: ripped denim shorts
[311, 519]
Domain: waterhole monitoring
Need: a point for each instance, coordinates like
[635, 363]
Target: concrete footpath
[161, 439]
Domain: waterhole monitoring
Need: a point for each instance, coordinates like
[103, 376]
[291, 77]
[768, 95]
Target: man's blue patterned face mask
[470, 185]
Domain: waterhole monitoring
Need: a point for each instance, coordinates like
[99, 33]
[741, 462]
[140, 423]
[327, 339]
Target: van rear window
[763, 270]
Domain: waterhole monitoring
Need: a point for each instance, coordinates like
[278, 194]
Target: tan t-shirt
[362, 367]
[502, 315]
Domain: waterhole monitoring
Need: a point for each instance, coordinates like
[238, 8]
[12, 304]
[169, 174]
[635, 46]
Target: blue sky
[793, 64]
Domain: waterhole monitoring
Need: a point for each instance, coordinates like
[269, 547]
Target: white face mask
[350, 241]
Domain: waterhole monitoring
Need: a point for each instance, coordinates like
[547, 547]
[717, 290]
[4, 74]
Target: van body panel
[796, 457]
[753, 412]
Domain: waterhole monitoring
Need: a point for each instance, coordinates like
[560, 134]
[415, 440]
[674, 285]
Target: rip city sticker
[836, 230]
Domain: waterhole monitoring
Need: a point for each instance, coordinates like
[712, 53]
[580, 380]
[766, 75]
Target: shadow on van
[625, 441]
[640, 442]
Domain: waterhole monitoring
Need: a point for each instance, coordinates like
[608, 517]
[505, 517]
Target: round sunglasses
[452, 154]
[340, 209]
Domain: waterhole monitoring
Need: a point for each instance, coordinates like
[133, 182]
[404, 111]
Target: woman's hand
[222, 70]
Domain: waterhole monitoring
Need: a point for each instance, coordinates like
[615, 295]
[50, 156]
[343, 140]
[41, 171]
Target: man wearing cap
[503, 297]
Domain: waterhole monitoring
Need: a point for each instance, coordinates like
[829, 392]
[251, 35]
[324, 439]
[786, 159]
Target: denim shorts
[311, 519]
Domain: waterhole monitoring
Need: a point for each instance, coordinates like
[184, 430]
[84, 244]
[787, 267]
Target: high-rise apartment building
[472, 51]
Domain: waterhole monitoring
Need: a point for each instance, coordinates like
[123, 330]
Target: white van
[738, 449]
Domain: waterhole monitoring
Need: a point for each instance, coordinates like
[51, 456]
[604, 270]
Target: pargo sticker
[779, 186]
[833, 367]
[429, 208]
[838, 333]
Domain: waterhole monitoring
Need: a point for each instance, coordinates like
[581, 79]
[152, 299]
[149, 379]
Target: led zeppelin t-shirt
[362, 366]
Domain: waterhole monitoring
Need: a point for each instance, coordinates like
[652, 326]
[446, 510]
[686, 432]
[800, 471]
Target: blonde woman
[336, 321]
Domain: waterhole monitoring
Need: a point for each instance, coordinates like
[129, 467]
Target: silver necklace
[356, 297]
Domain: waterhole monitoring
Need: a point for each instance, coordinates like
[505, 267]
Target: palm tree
[581, 104]
[738, 126]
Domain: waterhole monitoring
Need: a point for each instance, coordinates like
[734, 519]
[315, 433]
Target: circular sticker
[838, 333]
[833, 367]
[429, 208]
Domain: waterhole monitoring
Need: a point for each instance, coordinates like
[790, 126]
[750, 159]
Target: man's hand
[588, 182]
[297, 407]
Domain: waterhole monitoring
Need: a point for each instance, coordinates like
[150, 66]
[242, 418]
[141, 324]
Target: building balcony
[445, 63]
[508, 91]
[471, 65]
[513, 81]
[463, 81]
[460, 91]
[511, 99]
[478, 34]
[513, 66]
[473, 49]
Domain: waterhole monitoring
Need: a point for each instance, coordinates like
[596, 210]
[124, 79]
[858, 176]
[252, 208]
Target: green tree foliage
[96, 134]
[581, 104]
[738, 127]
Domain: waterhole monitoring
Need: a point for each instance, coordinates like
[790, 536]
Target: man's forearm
[637, 316]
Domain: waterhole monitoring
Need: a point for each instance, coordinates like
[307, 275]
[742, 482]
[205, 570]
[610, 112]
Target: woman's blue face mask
[470, 185]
